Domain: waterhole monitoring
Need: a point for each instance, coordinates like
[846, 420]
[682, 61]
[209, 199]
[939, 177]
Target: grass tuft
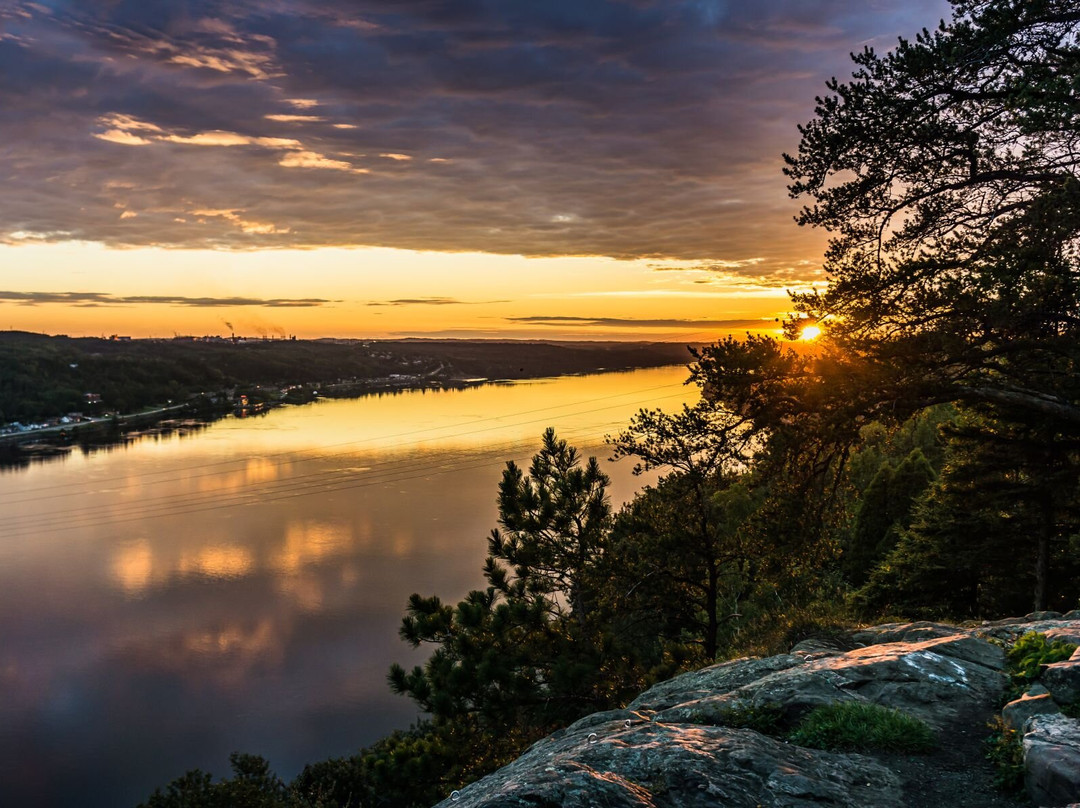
[860, 727]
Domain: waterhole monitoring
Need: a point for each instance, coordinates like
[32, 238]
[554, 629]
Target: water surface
[167, 602]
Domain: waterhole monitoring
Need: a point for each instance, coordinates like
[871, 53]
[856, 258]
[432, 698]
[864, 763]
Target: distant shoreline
[57, 381]
[21, 448]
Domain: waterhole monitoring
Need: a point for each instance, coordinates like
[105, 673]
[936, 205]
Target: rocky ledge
[679, 744]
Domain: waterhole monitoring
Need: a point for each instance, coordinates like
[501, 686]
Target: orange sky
[599, 170]
[89, 289]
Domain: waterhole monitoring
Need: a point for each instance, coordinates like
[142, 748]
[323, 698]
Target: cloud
[310, 159]
[246, 226]
[280, 118]
[631, 322]
[430, 301]
[104, 299]
[624, 128]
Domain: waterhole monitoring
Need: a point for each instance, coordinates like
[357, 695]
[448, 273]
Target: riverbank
[62, 392]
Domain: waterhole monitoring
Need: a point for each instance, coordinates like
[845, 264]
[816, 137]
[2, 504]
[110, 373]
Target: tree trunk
[712, 593]
[1042, 556]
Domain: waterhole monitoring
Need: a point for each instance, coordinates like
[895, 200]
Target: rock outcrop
[1062, 679]
[607, 764]
[934, 680]
[1052, 760]
[684, 743]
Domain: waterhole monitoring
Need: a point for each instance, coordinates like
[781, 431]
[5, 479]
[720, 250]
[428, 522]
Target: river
[166, 602]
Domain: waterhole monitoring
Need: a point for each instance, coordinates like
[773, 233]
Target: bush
[1004, 750]
[1031, 652]
[861, 727]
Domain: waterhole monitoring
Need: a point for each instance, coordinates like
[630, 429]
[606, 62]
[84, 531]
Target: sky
[575, 169]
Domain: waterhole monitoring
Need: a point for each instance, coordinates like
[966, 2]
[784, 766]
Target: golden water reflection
[135, 567]
[241, 589]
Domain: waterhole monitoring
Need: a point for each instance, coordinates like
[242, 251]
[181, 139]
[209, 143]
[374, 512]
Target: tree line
[45, 377]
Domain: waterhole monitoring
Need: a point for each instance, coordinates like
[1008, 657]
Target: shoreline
[48, 443]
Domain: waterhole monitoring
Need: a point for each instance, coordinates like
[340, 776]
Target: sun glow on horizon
[810, 333]
[88, 289]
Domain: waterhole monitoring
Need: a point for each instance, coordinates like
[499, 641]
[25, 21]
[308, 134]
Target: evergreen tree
[884, 512]
[526, 654]
[992, 536]
[687, 531]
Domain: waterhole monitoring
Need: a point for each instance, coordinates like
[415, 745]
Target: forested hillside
[43, 376]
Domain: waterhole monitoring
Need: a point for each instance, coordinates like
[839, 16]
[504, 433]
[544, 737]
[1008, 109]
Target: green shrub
[861, 727]
[1034, 650]
[1004, 750]
[1027, 656]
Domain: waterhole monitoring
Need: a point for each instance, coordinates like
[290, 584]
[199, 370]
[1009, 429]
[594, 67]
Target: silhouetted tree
[524, 655]
[680, 552]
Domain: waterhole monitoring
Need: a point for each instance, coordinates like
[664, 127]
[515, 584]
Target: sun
[810, 333]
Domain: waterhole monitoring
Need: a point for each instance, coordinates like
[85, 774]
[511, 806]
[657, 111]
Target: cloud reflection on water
[143, 647]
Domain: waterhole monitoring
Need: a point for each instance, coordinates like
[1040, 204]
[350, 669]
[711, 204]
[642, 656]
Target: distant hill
[45, 376]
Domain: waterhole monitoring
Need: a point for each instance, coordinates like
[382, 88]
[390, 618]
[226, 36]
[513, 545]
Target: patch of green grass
[860, 727]
[1004, 750]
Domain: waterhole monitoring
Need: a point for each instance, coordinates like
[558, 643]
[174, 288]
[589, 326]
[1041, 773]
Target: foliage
[884, 511]
[948, 172]
[1005, 495]
[681, 562]
[925, 450]
[409, 769]
[43, 376]
[862, 727]
[527, 654]
[1033, 650]
[252, 785]
[1005, 751]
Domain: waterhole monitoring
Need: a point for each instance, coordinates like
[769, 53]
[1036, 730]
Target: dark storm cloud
[103, 299]
[629, 322]
[624, 128]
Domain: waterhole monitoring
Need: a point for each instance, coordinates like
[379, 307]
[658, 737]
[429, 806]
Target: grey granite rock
[933, 680]
[672, 748]
[1062, 679]
[902, 632]
[1043, 615]
[1052, 760]
[1066, 632]
[1016, 713]
[715, 679]
[679, 766]
[1010, 631]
